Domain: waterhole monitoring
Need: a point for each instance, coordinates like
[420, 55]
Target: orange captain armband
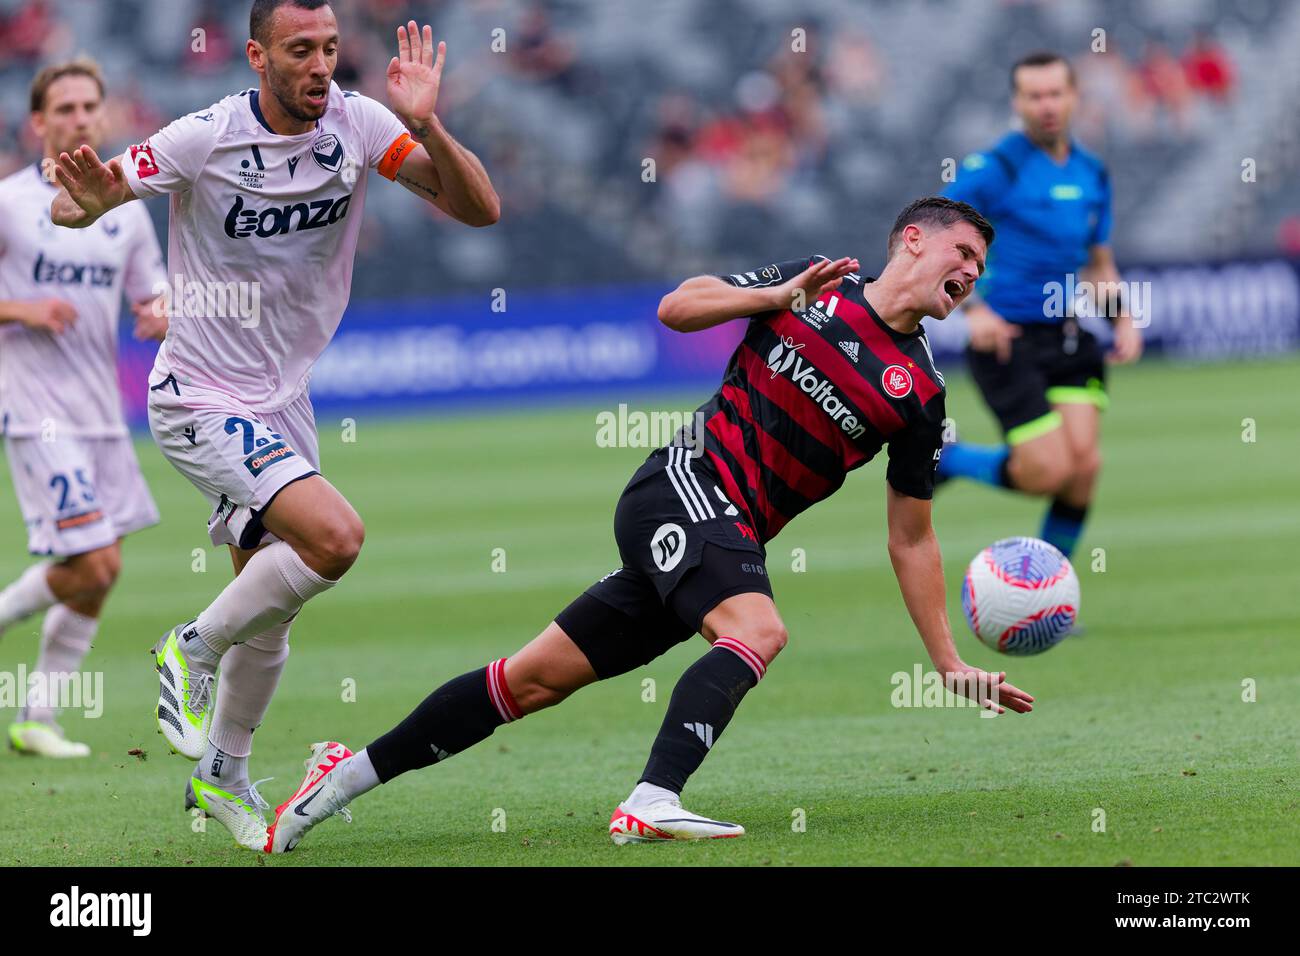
[395, 155]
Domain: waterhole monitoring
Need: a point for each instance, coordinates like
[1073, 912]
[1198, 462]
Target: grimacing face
[1044, 100]
[73, 115]
[299, 60]
[950, 261]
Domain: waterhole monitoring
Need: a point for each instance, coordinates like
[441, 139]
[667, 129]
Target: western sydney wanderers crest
[328, 153]
[896, 381]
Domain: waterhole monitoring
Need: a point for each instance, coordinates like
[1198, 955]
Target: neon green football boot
[186, 698]
[240, 814]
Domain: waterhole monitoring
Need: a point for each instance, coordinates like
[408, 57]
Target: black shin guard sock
[1004, 476]
[702, 705]
[453, 718]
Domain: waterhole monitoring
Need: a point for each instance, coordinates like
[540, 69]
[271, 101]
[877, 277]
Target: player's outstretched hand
[93, 187]
[820, 278]
[988, 689]
[989, 332]
[49, 315]
[1128, 343]
[414, 76]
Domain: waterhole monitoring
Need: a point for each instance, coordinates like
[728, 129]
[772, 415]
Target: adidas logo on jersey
[851, 350]
[703, 731]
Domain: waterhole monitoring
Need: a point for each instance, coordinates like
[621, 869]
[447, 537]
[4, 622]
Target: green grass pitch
[1142, 718]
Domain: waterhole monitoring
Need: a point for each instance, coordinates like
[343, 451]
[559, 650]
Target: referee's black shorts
[1058, 364]
[685, 548]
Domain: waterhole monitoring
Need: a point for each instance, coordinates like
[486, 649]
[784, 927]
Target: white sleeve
[145, 269]
[380, 130]
[170, 160]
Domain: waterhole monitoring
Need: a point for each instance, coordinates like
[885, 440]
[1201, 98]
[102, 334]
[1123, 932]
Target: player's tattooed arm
[705, 301]
[440, 170]
[417, 187]
[918, 565]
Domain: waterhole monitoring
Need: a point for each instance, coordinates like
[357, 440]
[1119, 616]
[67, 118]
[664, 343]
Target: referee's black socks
[1063, 525]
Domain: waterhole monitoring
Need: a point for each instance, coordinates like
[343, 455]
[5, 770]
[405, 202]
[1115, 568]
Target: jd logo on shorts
[667, 546]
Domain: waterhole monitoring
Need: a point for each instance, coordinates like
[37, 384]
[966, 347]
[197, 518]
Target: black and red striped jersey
[809, 396]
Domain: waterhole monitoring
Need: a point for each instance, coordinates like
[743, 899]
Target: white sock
[65, 639]
[357, 775]
[196, 651]
[226, 770]
[250, 673]
[644, 794]
[28, 595]
[271, 589]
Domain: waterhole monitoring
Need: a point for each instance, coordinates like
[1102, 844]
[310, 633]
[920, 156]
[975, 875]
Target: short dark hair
[1041, 58]
[259, 18]
[81, 66]
[938, 211]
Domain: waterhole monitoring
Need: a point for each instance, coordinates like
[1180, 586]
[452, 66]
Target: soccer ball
[1021, 596]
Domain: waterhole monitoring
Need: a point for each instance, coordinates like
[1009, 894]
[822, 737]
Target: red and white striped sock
[499, 691]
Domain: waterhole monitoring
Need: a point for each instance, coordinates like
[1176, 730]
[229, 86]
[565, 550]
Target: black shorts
[1050, 365]
[685, 549]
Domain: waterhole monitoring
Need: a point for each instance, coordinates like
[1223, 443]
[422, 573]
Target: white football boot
[666, 820]
[186, 698]
[319, 798]
[241, 815]
[36, 739]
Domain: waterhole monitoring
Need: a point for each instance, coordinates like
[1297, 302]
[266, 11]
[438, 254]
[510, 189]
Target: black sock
[702, 705]
[1063, 525]
[455, 717]
[1004, 476]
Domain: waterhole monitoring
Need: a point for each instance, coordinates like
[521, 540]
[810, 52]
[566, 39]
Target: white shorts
[78, 494]
[237, 458]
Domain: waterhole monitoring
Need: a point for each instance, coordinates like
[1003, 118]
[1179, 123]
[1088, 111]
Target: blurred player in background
[75, 472]
[267, 189]
[1041, 374]
[833, 368]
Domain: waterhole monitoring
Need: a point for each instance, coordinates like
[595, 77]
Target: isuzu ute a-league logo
[328, 153]
[667, 546]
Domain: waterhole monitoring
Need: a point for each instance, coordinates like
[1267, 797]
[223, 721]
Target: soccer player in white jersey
[78, 482]
[266, 187]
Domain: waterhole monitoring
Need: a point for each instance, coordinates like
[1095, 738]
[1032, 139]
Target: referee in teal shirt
[1041, 374]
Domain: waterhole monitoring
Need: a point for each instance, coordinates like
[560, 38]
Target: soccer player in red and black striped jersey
[833, 368]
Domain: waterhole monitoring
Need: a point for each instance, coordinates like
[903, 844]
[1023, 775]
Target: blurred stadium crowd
[759, 150]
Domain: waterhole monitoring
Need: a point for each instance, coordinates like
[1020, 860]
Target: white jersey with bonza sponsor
[67, 382]
[249, 206]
